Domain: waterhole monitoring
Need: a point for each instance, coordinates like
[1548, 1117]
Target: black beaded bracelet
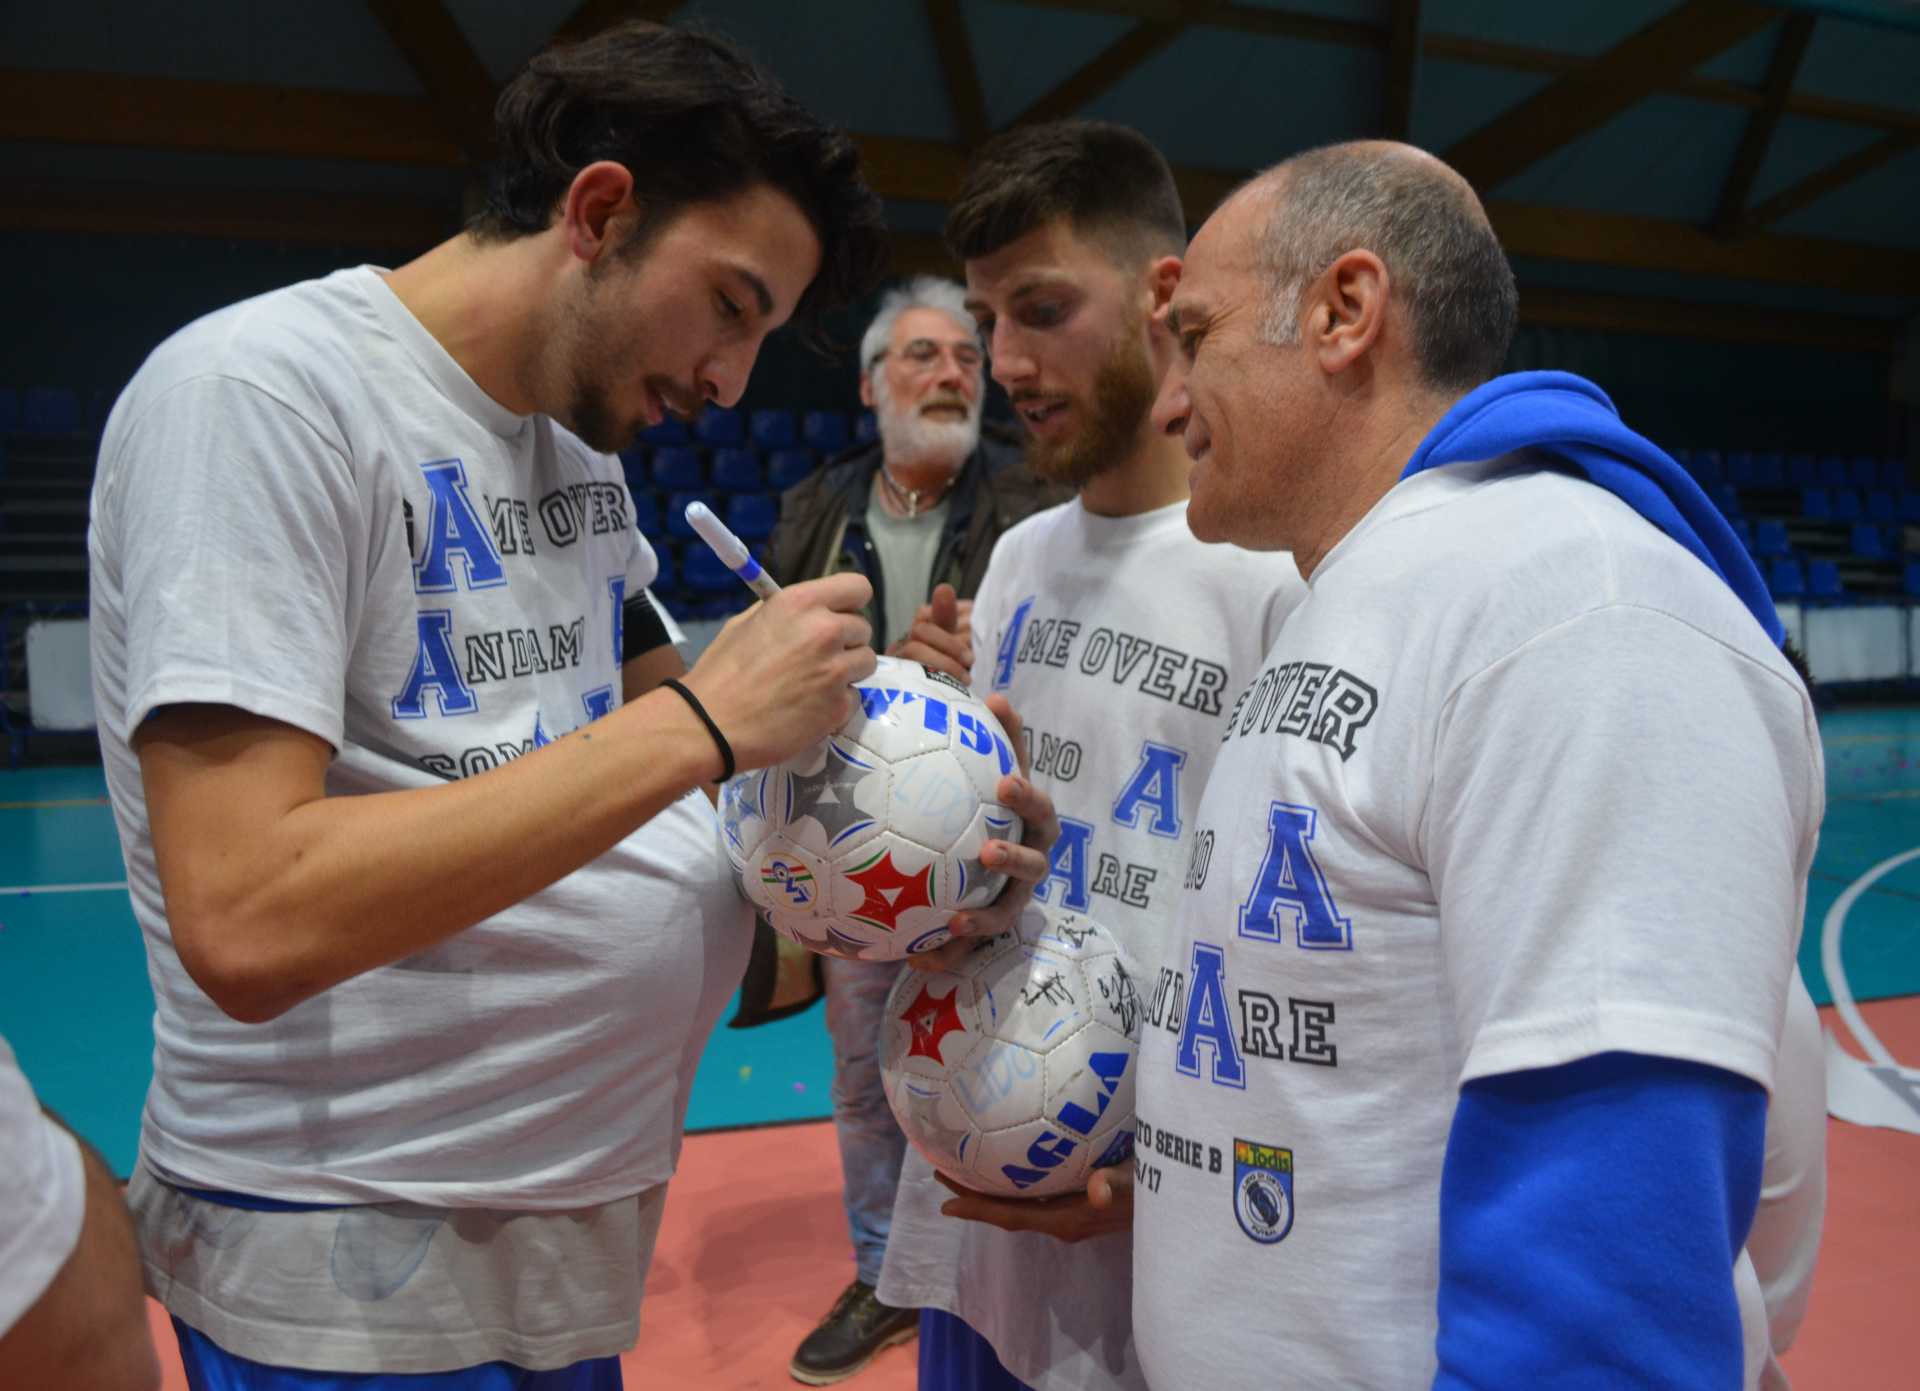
[726, 749]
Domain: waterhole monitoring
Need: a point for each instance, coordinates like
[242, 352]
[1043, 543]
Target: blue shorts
[211, 1367]
[955, 1358]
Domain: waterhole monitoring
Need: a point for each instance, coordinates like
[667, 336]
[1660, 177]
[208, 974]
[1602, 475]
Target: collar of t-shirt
[1098, 533]
[434, 361]
[1571, 420]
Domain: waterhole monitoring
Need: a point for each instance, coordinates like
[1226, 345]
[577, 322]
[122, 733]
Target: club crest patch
[1263, 1190]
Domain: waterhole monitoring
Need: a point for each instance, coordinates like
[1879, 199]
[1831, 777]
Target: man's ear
[1163, 278]
[866, 390]
[1345, 310]
[599, 202]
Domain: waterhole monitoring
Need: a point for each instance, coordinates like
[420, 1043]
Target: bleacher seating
[771, 430]
[1869, 542]
[670, 431]
[736, 470]
[751, 515]
[866, 429]
[1786, 580]
[1816, 505]
[677, 469]
[50, 410]
[1846, 506]
[1823, 580]
[720, 427]
[1912, 579]
[788, 467]
[1770, 539]
[825, 431]
[1881, 507]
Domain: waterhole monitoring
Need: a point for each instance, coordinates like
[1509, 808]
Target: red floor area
[754, 1249]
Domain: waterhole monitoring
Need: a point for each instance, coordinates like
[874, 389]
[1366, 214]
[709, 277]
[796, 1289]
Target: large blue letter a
[454, 528]
[1208, 1023]
[1290, 885]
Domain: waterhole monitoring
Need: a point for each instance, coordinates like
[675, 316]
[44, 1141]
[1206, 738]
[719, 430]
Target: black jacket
[822, 528]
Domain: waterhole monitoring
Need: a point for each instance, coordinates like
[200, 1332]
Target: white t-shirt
[1119, 643]
[306, 509]
[43, 1195]
[1520, 782]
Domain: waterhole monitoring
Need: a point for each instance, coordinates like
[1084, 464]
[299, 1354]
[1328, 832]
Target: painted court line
[26, 890]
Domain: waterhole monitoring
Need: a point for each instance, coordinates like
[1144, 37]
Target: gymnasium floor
[743, 1270]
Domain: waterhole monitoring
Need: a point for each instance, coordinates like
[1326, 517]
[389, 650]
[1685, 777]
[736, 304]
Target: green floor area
[76, 1007]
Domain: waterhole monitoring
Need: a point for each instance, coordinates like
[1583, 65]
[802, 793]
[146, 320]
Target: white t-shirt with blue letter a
[1520, 782]
[305, 509]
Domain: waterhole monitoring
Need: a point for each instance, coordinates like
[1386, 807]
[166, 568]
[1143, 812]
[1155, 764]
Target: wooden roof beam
[1836, 175]
[1403, 61]
[1582, 101]
[1758, 137]
[443, 60]
[955, 48]
[1101, 72]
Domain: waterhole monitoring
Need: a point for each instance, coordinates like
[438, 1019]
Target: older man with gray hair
[1463, 1049]
[917, 512]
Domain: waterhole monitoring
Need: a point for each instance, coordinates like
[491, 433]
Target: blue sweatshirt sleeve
[1590, 1218]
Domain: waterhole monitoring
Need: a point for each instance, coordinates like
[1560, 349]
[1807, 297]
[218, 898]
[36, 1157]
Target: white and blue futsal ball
[868, 843]
[1013, 1073]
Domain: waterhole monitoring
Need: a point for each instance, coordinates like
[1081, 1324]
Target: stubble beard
[1123, 392]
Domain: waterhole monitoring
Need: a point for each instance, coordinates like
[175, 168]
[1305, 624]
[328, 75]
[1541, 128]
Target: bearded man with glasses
[917, 511]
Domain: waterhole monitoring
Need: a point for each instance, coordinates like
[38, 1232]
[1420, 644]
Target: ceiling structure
[1707, 167]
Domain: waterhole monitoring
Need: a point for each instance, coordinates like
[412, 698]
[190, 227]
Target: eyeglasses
[925, 354]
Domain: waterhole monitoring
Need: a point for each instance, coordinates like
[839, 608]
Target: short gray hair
[1423, 222]
[921, 292]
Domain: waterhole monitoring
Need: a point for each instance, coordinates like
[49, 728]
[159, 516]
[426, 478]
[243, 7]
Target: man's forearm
[331, 887]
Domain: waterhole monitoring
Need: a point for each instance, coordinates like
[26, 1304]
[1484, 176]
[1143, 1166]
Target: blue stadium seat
[1823, 580]
[1770, 470]
[752, 515]
[1726, 498]
[1882, 508]
[1846, 506]
[633, 463]
[1912, 584]
[706, 575]
[1910, 507]
[1785, 580]
[50, 410]
[1802, 472]
[825, 431]
[1707, 468]
[1832, 471]
[1869, 542]
[669, 576]
[1740, 469]
[720, 427]
[677, 469]
[670, 431]
[1770, 539]
[646, 511]
[788, 467]
[677, 517]
[1864, 472]
[736, 469]
[772, 429]
[866, 429]
[1893, 474]
[1816, 505]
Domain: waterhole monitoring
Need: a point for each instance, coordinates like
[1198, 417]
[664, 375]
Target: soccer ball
[868, 843]
[1013, 1073]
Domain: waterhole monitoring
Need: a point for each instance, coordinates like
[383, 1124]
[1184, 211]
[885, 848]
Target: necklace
[911, 498]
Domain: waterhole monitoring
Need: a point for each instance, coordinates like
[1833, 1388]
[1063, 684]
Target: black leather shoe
[858, 1327]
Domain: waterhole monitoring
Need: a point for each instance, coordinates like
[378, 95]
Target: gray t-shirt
[906, 547]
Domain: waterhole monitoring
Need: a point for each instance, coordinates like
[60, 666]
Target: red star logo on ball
[889, 893]
[932, 1017]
